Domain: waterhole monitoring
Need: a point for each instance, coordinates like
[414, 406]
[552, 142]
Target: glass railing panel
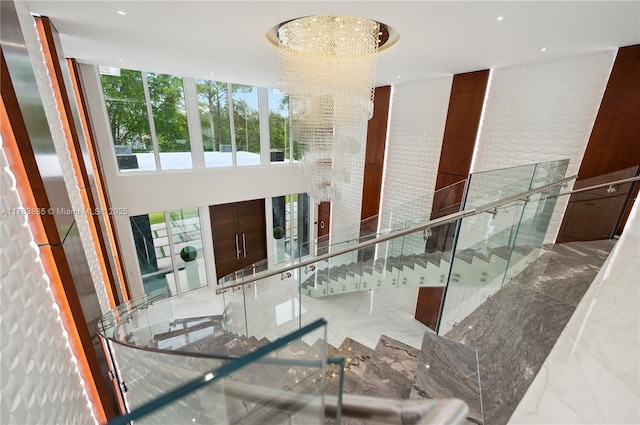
[271, 306]
[448, 199]
[146, 374]
[549, 172]
[481, 256]
[235, 317]
[427, 266]
[490, 186]
[532, 230]
[282, 382]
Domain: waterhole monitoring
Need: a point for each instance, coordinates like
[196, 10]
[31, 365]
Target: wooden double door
[239, 235]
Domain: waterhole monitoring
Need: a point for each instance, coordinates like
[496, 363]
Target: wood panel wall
[458, 144]
[108, 242]
[614, 143]
[461, 127]
[374, 158]
[57, 67]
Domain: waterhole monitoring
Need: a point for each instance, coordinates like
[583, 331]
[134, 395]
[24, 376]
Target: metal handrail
[374, 409]
[490, 207]
[598, 186]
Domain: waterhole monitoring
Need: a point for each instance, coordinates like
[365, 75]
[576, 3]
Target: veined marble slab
[448, 369]
[513, 332]
[392, 371]
[592, 375]
[565, 277]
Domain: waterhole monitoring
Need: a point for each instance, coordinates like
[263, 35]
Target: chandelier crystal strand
[328, 66]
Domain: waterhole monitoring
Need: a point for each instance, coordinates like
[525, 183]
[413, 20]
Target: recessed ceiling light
[543, 49]
[500, 18]
[120, 60]
[121, 12]
[399, 76]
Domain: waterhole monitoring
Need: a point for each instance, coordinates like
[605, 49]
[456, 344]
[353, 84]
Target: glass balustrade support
[214, 376]
[396, 234]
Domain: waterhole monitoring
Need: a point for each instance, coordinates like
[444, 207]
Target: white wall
[40, 381]
[416, 126]
[542, 112]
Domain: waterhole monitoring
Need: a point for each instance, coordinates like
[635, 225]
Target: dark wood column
[614, 143]
[64, 96]
[460, 132]
[374, 160]
[107, 239]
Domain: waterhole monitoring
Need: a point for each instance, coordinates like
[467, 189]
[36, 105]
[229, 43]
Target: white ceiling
[225, 40]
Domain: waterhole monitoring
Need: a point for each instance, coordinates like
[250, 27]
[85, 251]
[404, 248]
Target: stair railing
[360, 407]
[490, 207]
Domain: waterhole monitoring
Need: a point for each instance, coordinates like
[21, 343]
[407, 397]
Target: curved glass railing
[271, 384]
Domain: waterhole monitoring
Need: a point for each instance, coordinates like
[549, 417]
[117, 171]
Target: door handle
[237, 248]
[244, 245]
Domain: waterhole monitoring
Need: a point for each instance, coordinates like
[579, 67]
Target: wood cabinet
[239, 235]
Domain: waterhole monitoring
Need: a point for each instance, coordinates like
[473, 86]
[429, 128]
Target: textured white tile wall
[40, 382]
[416, 127]
[542, 112]
[64, 156]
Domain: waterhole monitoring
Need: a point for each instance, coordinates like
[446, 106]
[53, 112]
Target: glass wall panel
[290, 226]
[127, 111]
[170, 121]
[188, 249]
[247, 124]
[213, 103]
[279, 131]
[152, 247]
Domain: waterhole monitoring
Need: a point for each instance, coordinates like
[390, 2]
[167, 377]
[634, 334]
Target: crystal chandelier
[328, 68]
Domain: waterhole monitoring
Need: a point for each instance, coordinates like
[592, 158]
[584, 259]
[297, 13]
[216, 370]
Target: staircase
[488, 360]
[426, 269]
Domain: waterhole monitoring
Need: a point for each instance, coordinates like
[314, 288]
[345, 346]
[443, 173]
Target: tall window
[170, 121]
[213, 104]
[247, 124]
[279, 133]
[127, 110]
[148, 119]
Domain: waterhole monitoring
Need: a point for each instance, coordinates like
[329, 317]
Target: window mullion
[263, 117]
[174, 266]
[193, 122]
[152, 126]
[232, 125]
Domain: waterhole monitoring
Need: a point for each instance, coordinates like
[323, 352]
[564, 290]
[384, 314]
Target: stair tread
[448, 369]
[357, 356]
[392, 371]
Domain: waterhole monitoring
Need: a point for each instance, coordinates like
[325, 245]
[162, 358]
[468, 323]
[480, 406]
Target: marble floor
[272, 311]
